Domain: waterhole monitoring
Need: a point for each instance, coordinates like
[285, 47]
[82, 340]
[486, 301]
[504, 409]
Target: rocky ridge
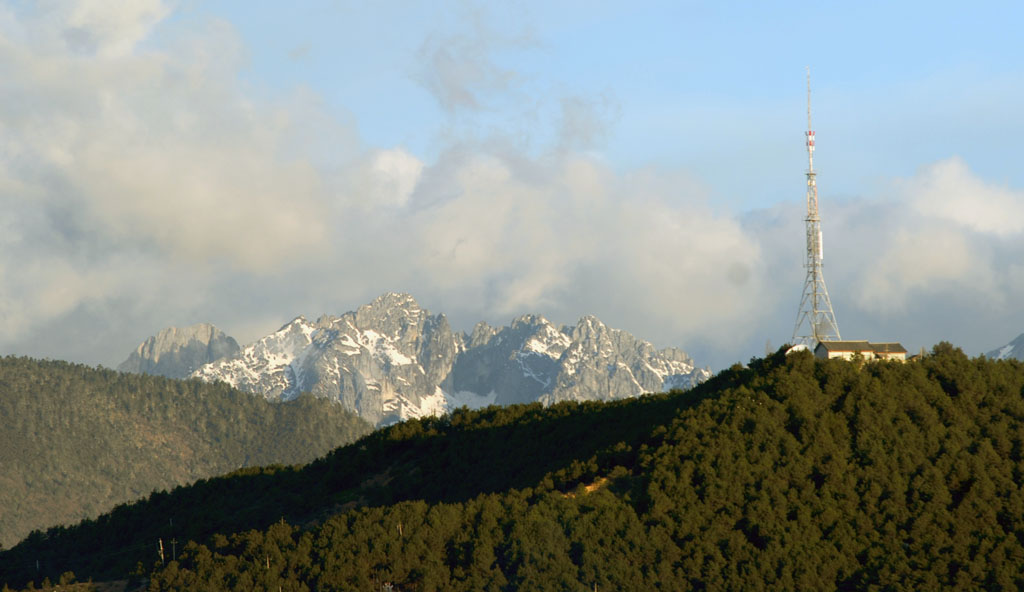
[177, 352]
[1011, 351]
[392, 360]
[385, 361]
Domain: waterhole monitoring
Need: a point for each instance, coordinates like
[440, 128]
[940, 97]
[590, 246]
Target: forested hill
[76, 440]
[793, 473]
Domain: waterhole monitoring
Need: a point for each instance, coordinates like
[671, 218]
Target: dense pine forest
[790, 473]
[77, 440]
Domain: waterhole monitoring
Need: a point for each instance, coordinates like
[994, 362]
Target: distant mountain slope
[176, 353]
[792, 474]
[1013, 350]
[392, 360]
[75, 441]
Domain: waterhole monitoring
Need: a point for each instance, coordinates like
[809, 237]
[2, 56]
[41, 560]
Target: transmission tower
[815, 322]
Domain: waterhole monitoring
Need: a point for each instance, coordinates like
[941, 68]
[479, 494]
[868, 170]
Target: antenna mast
[815, 322]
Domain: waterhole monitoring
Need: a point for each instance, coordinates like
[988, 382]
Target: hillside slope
[79, 440]
[794, 473]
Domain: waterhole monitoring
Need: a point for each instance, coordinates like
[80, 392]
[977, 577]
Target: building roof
[844, 346]
[862, 346]
[889, 348]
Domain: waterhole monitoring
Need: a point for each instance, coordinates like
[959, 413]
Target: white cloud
[142, 187]
[584, 123]
[944, 232]
[897, 269]
[948, 190]
[460, 72]
[84, 27]
[149, 183]
[134, 176]
[106, 28]
[569, 235]
[147, 149]
[44, 287]
[387, 178]
[917, 262]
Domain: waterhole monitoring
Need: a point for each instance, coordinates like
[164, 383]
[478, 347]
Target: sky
[164, 163]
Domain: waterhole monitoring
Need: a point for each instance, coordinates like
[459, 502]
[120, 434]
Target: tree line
[789, 473]
[77, 440]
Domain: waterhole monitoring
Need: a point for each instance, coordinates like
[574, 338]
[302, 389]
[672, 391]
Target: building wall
[849, 355]
[900, 356]
[865, 354]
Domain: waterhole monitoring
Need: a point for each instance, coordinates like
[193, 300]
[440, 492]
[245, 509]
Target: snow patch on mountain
[1013, 350]
[469, 400]
[265, 367]
[383, 348]
[391, 360]
[434, 405]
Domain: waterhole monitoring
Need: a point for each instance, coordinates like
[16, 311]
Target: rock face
[391, 360]
[532, 360]
[1013, 350]
[384, 361]
[604, 363]
[177, 353]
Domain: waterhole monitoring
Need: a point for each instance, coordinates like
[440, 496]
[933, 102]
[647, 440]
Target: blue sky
[167, 163]
[710, 86]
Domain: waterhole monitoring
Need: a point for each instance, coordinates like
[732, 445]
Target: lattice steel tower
[815, 321]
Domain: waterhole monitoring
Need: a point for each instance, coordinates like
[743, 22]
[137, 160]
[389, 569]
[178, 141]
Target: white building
[827, 350]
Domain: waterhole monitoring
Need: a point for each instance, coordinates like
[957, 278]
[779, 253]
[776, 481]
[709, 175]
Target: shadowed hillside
[79, 440]
[794, 473]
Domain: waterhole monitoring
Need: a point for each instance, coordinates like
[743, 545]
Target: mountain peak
[395, 300]
[530, 320]
[591, 321]
[392, 309]
[590, 327]
[177, 351]
[391, 360]
[1012, 350]
[296, 322]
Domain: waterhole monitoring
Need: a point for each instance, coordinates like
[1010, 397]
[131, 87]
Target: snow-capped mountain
[391, 360]
[177, 352]
[611, 363]
[532, 360]
[264, 367]
[384, 361]
[1014, 350]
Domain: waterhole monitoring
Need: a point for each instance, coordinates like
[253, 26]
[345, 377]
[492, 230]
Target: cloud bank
[144, 186]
